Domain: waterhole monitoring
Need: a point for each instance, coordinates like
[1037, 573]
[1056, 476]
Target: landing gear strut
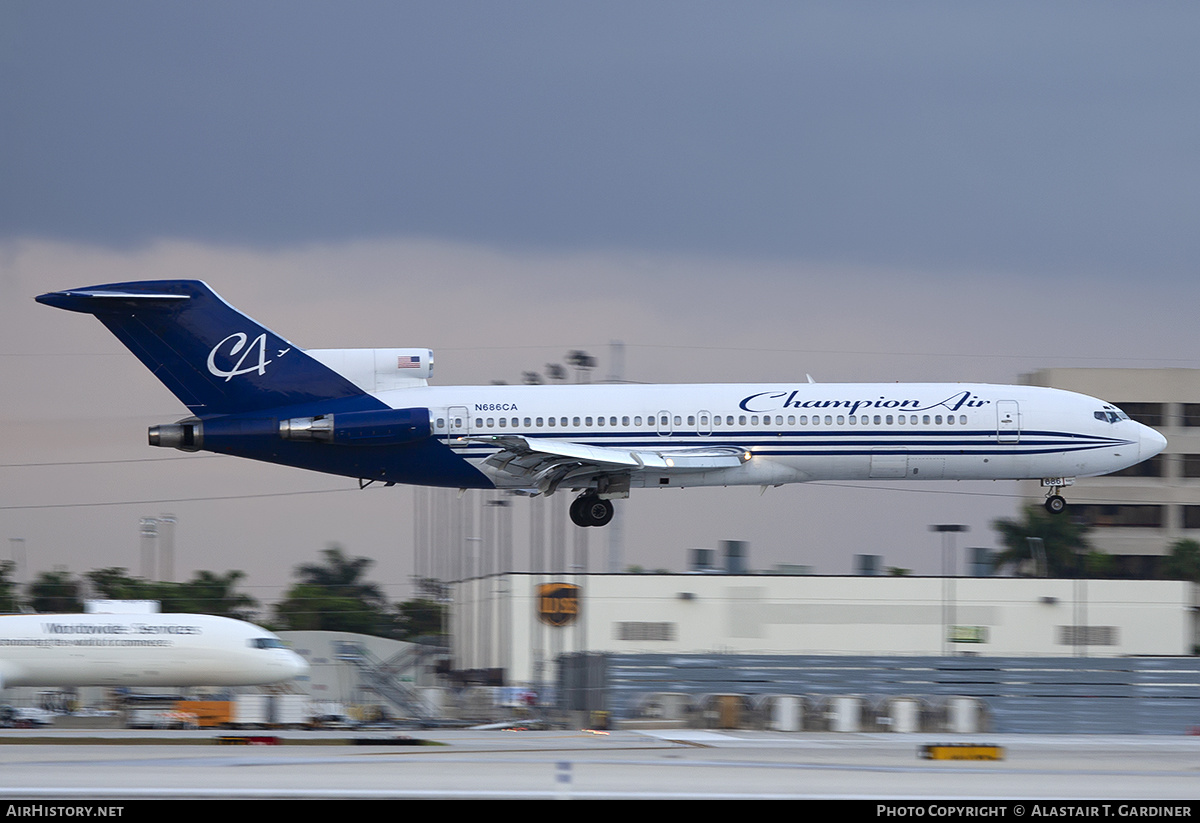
[590, 510]
[1055, 502]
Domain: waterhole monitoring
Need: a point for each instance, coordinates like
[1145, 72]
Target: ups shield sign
[558, 603]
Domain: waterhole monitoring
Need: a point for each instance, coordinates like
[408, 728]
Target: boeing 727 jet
[371, 414]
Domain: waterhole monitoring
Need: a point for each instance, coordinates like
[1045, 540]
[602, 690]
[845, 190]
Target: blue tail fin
[211, 356]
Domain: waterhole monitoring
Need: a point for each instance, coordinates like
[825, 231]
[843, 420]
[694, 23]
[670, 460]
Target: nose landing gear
[1055, 502]
[590, 510]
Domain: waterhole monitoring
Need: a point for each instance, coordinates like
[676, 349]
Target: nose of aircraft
[296, 665]
[1150, 443]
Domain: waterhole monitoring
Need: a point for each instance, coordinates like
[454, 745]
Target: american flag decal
[408, 362]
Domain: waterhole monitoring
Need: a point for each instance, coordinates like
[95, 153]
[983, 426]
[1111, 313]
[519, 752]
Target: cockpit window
[1110, 414]
[266, 643]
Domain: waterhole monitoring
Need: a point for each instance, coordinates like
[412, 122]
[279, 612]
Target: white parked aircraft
[370, 414]
[62, 650]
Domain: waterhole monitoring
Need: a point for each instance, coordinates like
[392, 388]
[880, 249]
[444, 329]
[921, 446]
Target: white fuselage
[792, 433]
[60, 650]
[370, 414]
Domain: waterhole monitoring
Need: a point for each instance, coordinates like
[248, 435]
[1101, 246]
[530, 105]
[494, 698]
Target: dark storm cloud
[1014, 136]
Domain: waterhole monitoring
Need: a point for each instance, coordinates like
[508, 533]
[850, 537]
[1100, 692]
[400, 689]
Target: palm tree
[1067, 550]
[1182, 561]
[332, 596]
[55, 592]
[341, 575]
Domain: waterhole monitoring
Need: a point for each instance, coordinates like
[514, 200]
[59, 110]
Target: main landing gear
[590, 510]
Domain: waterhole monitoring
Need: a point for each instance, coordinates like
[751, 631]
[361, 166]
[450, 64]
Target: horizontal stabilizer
[92, 301]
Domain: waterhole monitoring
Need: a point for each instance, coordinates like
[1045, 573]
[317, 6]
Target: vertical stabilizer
[211, 356]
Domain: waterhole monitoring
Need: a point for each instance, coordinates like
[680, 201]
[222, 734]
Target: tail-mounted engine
[390, 427]
[387, 427]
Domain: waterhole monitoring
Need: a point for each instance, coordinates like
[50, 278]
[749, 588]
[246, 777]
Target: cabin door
[458, 426]
[1008, 422]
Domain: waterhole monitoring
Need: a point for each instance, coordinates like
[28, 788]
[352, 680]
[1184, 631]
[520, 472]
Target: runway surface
[685, 764]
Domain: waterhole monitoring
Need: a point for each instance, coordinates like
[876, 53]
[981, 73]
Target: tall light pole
[949, 570]
[16, 546]
[166, 569]
[149, 532]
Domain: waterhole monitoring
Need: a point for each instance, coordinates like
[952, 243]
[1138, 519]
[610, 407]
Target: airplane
[371, 414]
[59, 650]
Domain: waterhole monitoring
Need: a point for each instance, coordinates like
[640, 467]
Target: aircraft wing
[546, 463]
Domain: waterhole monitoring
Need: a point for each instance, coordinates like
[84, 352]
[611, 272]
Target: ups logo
[558, 603]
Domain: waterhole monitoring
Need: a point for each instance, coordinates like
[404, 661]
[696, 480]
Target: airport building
[817, 653]
[520, 624]
[1136, 514]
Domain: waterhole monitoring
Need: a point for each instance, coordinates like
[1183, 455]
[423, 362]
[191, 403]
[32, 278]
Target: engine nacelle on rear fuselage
[384, 427]
[388, 427]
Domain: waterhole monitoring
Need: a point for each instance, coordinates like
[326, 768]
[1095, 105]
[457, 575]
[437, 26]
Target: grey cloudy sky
[739, 191]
